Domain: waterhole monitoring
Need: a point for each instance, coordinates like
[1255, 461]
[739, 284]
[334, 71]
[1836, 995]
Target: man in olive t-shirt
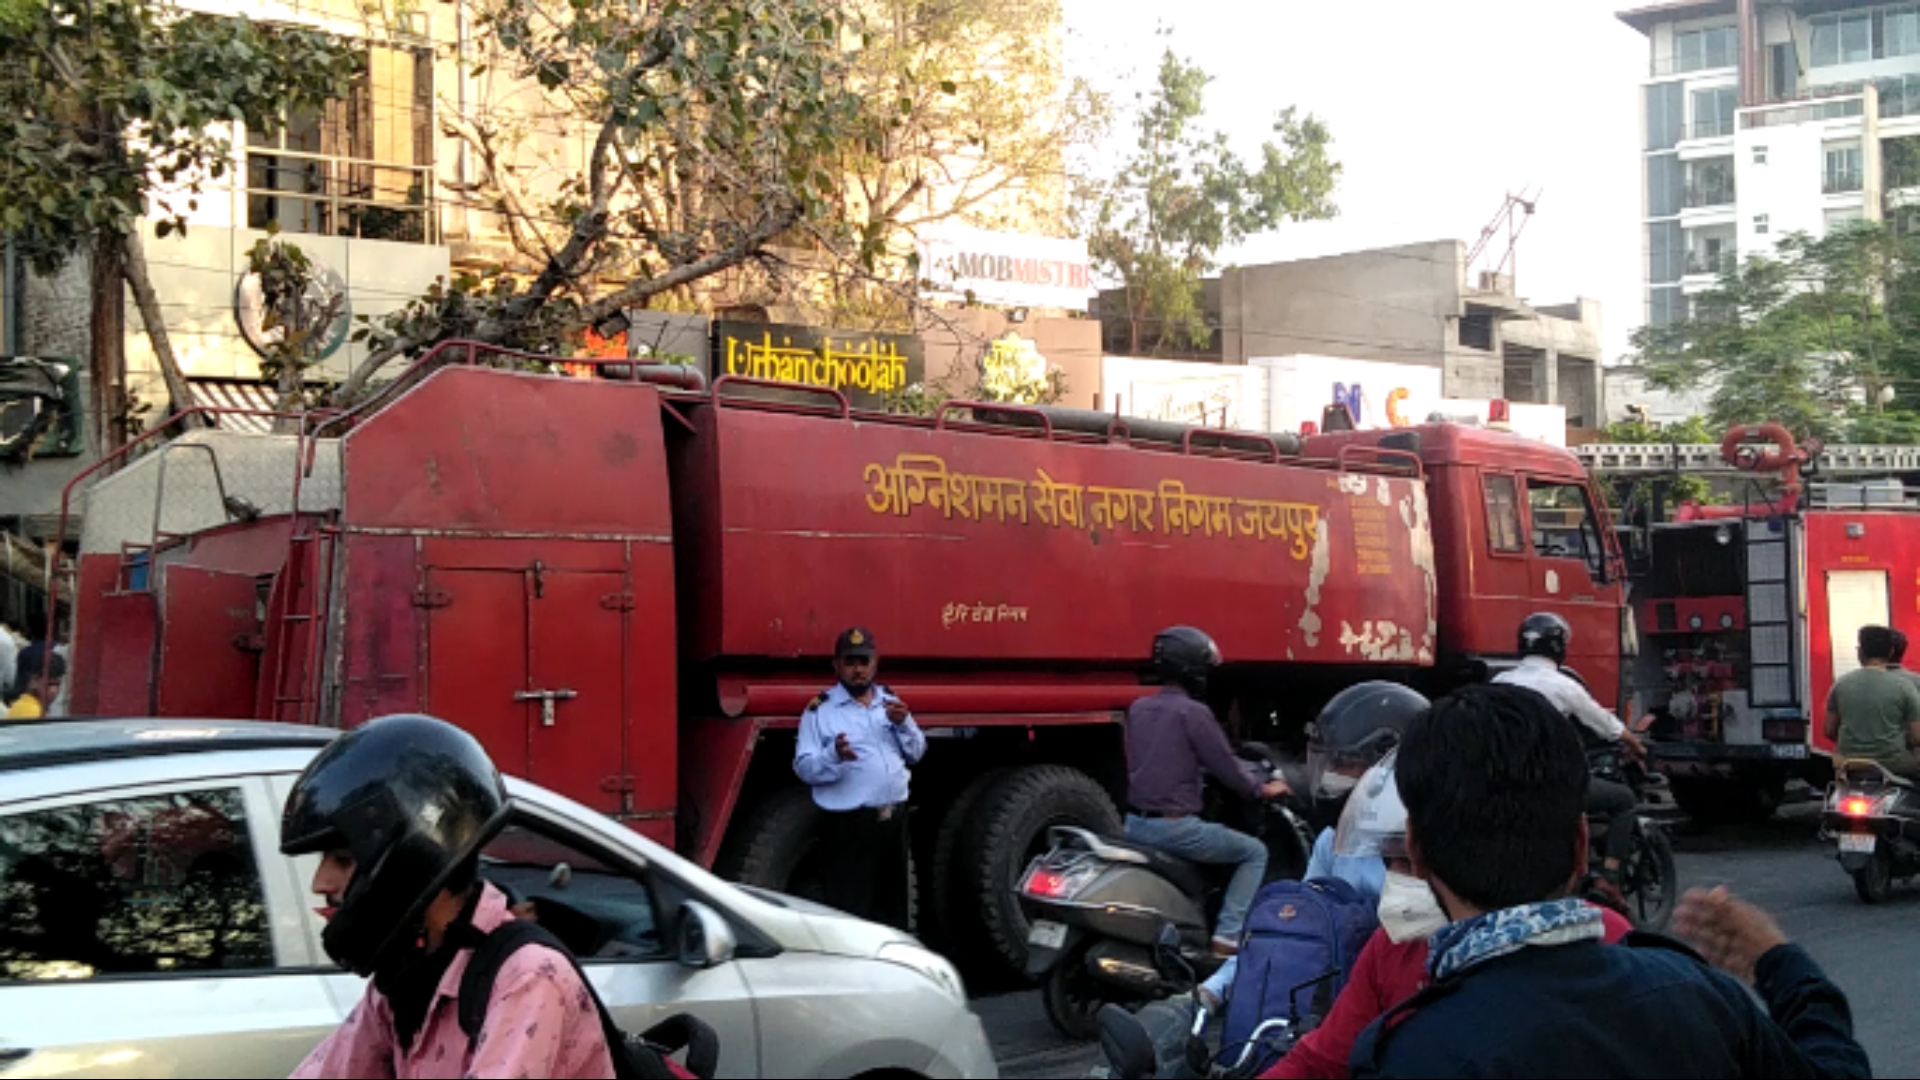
[1874, 713]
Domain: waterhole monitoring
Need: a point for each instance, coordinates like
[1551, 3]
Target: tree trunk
[134, 269]
[107, 338]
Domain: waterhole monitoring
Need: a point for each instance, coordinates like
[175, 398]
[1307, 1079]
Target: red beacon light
[1499, 413]
[1308, 427]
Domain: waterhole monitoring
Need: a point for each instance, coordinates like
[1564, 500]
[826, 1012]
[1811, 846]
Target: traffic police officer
[856, 744]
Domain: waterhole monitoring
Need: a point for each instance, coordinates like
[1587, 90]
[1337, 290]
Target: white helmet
[1374, 822]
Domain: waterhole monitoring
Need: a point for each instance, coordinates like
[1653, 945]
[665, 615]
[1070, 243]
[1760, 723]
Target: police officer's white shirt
[1544, 677]
[878, 774]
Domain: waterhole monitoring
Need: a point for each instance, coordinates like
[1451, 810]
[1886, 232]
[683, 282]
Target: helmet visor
[1374, 822]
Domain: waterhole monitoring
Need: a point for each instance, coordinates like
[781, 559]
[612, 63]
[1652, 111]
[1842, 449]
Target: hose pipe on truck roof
[1090, 422]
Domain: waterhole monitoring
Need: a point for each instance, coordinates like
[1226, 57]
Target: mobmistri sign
[1007, 268]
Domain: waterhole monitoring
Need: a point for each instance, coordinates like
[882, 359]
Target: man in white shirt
[1543, 649]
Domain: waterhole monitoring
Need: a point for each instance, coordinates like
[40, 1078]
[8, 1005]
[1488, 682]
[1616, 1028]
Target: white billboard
[1383, 395]
[1007, 269]
[1186, 392]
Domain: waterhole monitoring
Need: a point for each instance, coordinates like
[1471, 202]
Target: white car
[149, 925]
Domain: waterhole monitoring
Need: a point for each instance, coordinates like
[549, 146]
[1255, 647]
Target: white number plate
[1047, 935]
[1856, 843]
[1790, 750]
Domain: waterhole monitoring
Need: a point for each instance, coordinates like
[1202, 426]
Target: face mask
[1333, 785]
[1408, 909]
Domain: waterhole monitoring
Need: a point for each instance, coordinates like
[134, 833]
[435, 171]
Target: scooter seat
[1186, 876]
[1863, 771]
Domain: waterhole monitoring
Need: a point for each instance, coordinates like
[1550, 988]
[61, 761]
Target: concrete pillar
[1872, 180]
[1546, 377]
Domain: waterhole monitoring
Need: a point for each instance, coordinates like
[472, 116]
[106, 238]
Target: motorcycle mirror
[1126, 1044]
[1166, 949]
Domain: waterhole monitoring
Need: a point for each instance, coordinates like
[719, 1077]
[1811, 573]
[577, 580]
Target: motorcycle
[1649, 883]
[1165, 1039]
[1098, 905]
[1873, 818]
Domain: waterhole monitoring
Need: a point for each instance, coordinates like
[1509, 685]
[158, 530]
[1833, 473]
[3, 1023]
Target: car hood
[833, 931]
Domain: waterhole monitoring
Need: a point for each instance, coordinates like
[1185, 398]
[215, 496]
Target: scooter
[1098, 905]
[1874, 818]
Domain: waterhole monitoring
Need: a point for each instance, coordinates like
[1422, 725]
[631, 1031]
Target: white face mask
[1333, 785]
[1408, 909]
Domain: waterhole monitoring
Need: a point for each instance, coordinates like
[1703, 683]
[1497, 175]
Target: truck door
[1569, 575]
[532, 662]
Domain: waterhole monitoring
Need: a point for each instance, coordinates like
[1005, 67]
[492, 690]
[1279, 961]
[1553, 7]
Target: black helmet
[1545, 634]
[414, 799]
[1184, 656]
[1355, 730]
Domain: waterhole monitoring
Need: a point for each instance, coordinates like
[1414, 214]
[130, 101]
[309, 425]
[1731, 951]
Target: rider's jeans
[1208, 842]
[1616, 803]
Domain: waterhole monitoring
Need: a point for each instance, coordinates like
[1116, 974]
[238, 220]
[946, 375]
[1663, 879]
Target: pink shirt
[541, 1022]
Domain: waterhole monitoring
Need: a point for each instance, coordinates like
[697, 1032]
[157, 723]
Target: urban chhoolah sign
[1007, 269]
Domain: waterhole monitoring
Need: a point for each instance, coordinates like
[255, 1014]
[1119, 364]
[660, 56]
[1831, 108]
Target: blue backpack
[1297, 932]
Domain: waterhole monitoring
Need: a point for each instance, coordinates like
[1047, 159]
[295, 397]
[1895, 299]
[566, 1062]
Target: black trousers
[864, 863]
[1616, 803]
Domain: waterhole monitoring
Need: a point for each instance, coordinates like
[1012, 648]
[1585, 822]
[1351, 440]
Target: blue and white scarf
[1472, 942]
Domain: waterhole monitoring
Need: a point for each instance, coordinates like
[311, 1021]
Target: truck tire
[955, 928]
[772, 847]
[1007, 828]
[1747, 800]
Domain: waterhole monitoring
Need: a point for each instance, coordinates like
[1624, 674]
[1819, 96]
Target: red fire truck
[1747, 612]
[628, 589]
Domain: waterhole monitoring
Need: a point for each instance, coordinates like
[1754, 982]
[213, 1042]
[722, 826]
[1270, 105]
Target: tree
[1694, 430]
[714, 129]
[1817, 335]
[967, 118]
[114, 109]
[298, 315]
[1158, 225]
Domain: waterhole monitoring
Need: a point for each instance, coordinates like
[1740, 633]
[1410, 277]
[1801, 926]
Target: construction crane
[1512, 220]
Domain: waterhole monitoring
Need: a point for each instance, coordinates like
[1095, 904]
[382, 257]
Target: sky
[1437, 110]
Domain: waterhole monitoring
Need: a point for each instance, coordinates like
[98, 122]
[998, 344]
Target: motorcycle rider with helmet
[1172, 738]
[398, 810]
[1355, 730]
[1544, 637]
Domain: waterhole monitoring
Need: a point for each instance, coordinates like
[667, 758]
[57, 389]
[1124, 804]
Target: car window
[600, 911]
[154, 884]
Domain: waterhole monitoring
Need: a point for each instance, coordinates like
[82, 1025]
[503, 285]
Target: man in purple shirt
[1172, 737]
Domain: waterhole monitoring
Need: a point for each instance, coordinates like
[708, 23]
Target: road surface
[1872, 952]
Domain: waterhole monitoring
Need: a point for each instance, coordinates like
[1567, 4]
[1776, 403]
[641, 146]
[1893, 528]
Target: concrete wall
[1396, 305]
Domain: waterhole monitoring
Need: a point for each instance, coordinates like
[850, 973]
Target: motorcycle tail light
[1856, 806]
[1050, 883]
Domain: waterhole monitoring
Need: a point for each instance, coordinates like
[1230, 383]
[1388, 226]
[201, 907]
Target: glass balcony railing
[1840, 181]
[1700, 262]
[1711, 129]
[1711, 193]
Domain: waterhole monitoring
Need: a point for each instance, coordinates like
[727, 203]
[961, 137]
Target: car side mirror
[703, 938]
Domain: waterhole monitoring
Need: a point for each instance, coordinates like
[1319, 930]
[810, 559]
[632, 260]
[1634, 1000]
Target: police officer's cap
[854, 641]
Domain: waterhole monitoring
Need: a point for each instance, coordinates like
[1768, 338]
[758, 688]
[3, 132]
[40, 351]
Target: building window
[1698, 50]
[1665, 184]
[1783, 68]
[1666, 115]
[1759, 155]
[360, 167]
[1713, 112]
[1760, 224]
[1843, 170]
[1900, 162]
[137, 885]
[1859, 37]
[1666, 305]
[1666, 253]
[1710, 182]
[1838, 220]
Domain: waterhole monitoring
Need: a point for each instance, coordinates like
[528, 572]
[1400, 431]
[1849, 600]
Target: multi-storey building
[1765, 118]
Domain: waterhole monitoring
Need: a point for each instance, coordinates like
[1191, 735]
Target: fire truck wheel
[1008, 828]
[954, 929]
[772, 847]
